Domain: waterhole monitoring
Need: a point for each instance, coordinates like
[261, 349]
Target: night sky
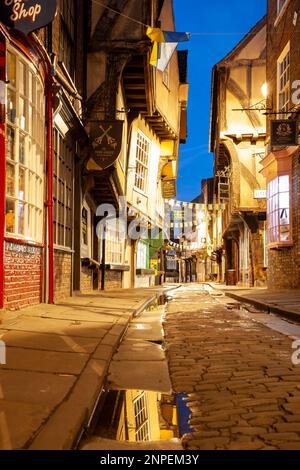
[215, 16]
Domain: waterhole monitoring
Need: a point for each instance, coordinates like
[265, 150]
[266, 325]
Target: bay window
[25, 152]
[279, 211]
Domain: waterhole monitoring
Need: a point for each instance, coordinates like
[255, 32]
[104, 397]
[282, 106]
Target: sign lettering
[106, 137]
[27, 15]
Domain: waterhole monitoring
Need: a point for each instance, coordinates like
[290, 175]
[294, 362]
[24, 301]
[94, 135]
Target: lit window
[142, 160]
[142, 260]
[25, 149]
[86, 232]
[114, 243]
[62, 191]
[141, 419]
[284, 83]
[279, 213]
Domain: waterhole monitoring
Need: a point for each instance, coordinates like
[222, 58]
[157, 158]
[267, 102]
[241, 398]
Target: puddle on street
[139, 416]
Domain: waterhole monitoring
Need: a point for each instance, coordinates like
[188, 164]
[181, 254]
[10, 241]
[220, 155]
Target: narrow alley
[243, 390]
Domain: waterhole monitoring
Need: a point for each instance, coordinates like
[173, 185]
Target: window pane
[284, 183]
[21, 184]
[11, 69]
[10, 216]
[10, 179]
[21, 210]
[10, 143]
[11, 106]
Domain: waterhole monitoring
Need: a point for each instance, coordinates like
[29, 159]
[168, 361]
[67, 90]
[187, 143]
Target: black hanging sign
[27, 15]
[106, 137]
[284, 133]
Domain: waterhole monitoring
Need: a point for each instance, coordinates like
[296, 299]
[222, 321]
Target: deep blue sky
[214, 16]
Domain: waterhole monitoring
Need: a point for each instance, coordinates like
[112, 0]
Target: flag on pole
[165, 43]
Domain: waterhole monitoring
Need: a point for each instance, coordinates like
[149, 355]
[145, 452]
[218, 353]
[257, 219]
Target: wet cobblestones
[243, 390]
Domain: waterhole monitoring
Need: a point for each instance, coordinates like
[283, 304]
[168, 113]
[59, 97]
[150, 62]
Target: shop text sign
[27, 15]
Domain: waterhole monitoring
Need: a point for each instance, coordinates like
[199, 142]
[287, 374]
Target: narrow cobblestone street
[243, 390]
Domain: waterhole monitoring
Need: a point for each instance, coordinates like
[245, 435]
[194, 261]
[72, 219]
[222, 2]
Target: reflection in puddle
[140, 416]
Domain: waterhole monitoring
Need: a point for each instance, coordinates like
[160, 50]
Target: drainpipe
[2, 164]
[49, 203]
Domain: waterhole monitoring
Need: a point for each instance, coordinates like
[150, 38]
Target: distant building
[237, 139]
[281, 166]
[64, 89]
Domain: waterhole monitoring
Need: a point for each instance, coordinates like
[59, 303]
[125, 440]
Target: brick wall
[284, 265]
[86, 280]
[23, 275]
[113, 280]
[62, 275]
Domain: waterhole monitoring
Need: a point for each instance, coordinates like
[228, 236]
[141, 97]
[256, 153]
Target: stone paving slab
[243, 390]
[41, 388]
[49, 342]
[44, 361]
[59, 327]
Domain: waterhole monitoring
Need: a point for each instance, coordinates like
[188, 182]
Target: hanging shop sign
[284, 133]
[106, 138]
[27, 15]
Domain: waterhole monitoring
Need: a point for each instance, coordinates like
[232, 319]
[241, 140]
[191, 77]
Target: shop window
[279, 211]
[142, 161]
[142, 261]
[25, 142]
[63, 163]
[114, 243]
[283, 80]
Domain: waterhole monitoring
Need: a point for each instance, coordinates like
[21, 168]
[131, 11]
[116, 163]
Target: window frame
[273, 213]
[67, 46]
[61, 167]
[142, 255]
[284, 82]
[27, 97]
[86, 247]
[142, 157]
[114, 243]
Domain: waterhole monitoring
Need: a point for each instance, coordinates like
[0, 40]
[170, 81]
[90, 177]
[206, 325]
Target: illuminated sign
[27, 15]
